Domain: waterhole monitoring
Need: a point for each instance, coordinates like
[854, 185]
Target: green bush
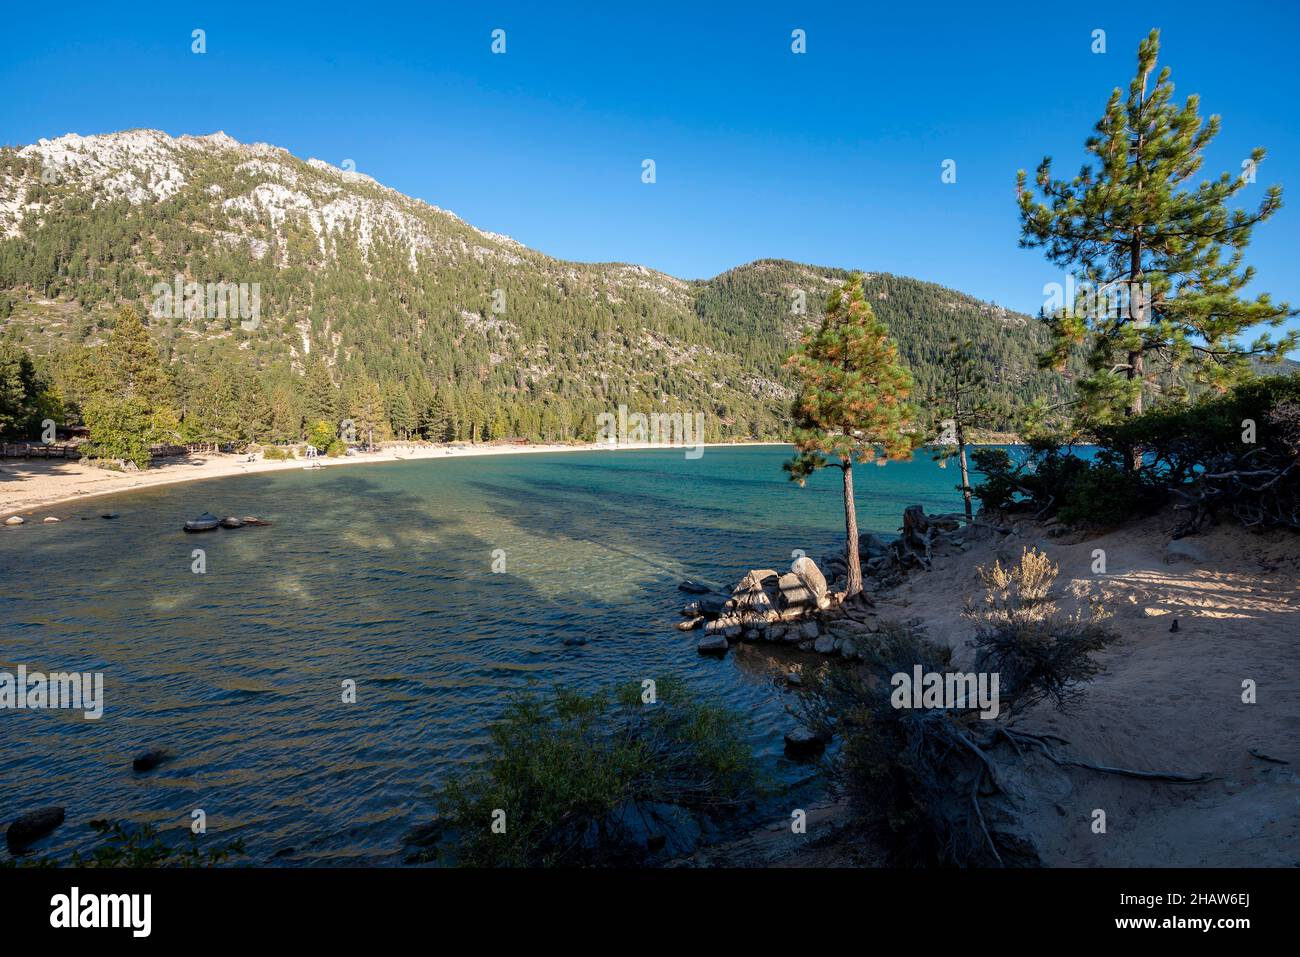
[275, 453]
[1179, 446]
[574, 773]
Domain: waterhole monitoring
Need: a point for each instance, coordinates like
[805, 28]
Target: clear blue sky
[831, 157]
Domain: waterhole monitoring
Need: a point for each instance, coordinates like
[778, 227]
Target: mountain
[352, 279]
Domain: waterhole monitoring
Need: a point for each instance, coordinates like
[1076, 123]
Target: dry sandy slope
[1168, 701]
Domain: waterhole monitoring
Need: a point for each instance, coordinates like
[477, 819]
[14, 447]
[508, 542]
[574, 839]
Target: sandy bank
[27, 486]
[1168, 701]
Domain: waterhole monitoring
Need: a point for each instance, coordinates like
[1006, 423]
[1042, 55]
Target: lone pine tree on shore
[959, 403]
[852, 402]
[1166, 255]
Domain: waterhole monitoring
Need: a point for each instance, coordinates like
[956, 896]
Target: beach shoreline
[37, 485]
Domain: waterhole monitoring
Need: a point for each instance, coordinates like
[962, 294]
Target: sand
[1168, 701]
[31, 488]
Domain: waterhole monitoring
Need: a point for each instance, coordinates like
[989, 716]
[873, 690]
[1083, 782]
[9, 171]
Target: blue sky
[831, 157]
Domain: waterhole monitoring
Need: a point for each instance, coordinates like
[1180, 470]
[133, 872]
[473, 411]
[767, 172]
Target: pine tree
[365, 405]
[852, 402]
[959, 403]
[437, 418]
[322, 397]
[401, 412]
[1161, 261]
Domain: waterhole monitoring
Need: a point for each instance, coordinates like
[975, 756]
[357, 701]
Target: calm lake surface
[383, 574]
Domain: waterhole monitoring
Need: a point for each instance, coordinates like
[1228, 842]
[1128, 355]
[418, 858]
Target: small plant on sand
[586, 779]
[1021, 636]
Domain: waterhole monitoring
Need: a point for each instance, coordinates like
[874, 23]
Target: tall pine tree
[1166, 254]
[852, 402]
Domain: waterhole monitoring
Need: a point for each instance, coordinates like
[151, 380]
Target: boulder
[50, 519]
[711, 606]
[713, 645]
[810, 629]
[722, 626]
[793, 593]
[29, 828]
[812, 578]
[870, 546]
[755, 596]
[803, 742]
[150, 759]
[690, 624]
[14, 520]
[824, 645]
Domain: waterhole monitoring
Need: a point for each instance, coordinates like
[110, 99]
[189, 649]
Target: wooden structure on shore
[38, 450]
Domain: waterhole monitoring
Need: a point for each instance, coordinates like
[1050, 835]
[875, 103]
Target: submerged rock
[694, 588]
[204, 523]
[29, 828]
[713, 645]
[230, 521]
[148, 760]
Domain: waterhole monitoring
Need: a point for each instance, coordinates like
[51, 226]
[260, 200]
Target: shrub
[1037, 653]
[575, 773]
[275, 453]
[321, 434]
[920, 777]
[1052, 480]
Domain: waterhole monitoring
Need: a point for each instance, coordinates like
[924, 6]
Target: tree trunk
[965, 471]
[851, 558]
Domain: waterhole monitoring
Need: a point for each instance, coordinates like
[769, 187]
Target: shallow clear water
[383, 574]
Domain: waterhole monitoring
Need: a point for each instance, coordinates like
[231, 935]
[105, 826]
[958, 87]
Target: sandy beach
[31, 488]
[1167, 700]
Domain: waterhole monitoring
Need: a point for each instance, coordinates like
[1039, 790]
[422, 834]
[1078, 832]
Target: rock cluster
[794, 608]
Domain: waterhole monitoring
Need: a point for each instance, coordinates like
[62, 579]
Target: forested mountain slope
[357, 283]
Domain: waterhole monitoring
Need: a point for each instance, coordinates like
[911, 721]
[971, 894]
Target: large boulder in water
[756, 595]
[813, 579]
[32, 826]
[793, 593]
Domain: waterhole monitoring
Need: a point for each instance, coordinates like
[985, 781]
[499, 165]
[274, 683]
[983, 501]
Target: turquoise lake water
[383, 574]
